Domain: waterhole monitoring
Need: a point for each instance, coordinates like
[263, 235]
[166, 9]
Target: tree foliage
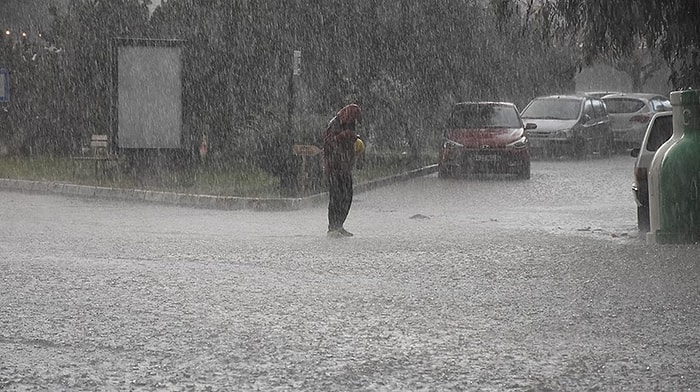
[405, 62]
[614, 28]
[83, 34]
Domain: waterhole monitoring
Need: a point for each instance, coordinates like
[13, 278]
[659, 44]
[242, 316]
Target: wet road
[471, 284]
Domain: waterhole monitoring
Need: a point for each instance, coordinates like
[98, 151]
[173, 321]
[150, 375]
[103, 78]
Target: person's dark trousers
[340, 193]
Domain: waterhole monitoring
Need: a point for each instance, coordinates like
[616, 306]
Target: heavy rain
[167, 202]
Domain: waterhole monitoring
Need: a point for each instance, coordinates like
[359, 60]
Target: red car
[485, 137]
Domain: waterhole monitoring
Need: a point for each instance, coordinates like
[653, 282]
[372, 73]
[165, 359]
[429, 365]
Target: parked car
[598, 94]
[630, 114]
[658, 131]
[485, 137]
[574, 125]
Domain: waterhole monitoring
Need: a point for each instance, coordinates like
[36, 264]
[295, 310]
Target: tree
[641, 64]
[407, 62]
[84, 33]
[613, 28]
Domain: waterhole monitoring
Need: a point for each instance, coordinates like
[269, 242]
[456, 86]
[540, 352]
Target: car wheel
[643, 223]
[524, 171]
[578, 146]
[606, 146]
[444, 172]
[554, 150]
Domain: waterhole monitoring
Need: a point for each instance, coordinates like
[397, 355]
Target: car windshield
[553, 108]
[485, 116]
[623, 105]
[660, 132]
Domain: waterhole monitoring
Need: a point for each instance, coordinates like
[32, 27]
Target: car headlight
[562, 134]
[518, 144]
[447, 143]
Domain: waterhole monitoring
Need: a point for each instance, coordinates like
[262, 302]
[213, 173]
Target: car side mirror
[635, 152]
[586, 118]
[530, 126]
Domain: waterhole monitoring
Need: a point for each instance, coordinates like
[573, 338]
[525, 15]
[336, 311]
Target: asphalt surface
[484, 284]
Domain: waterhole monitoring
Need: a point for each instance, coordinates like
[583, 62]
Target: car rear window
[661, 104]
[623, 105]
[485, 116]
[553, 108]
[660, 132]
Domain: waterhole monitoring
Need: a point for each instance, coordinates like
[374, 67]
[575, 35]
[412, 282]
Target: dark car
[569, 125]
[659, 130]
[485, 137]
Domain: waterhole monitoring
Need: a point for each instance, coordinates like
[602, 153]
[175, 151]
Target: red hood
[492, 137]
[348, 114]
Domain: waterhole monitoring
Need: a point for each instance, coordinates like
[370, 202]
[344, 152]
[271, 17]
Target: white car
[658, 131]
[630, 114]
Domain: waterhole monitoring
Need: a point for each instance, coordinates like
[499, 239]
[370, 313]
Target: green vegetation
[211, 178]
[233, 180]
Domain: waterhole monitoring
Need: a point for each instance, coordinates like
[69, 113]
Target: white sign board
[149, 95]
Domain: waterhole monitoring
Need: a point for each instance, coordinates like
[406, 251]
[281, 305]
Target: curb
[194, 200]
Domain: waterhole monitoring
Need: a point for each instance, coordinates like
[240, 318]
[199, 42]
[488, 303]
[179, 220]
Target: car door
[603, 131]
[588, 121]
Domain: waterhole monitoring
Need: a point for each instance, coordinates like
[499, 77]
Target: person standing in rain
[341, 144]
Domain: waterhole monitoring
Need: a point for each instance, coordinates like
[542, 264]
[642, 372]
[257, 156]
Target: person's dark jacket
[339, 139]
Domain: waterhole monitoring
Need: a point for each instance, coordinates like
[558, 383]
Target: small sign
[4, 85]
[305, 149]
[296, 63]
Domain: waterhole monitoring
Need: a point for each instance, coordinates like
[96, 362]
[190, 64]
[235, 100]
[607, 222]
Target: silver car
[630, 114]
[573, 125]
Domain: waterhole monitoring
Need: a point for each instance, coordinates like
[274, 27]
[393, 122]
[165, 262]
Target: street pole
[289, 179]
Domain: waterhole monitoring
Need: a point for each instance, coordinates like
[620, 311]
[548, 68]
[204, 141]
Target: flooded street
[461, 284]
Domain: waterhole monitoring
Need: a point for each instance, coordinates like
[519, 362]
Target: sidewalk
[193, 200]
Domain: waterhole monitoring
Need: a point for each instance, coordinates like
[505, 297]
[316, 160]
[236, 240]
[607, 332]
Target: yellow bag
[359, 146]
